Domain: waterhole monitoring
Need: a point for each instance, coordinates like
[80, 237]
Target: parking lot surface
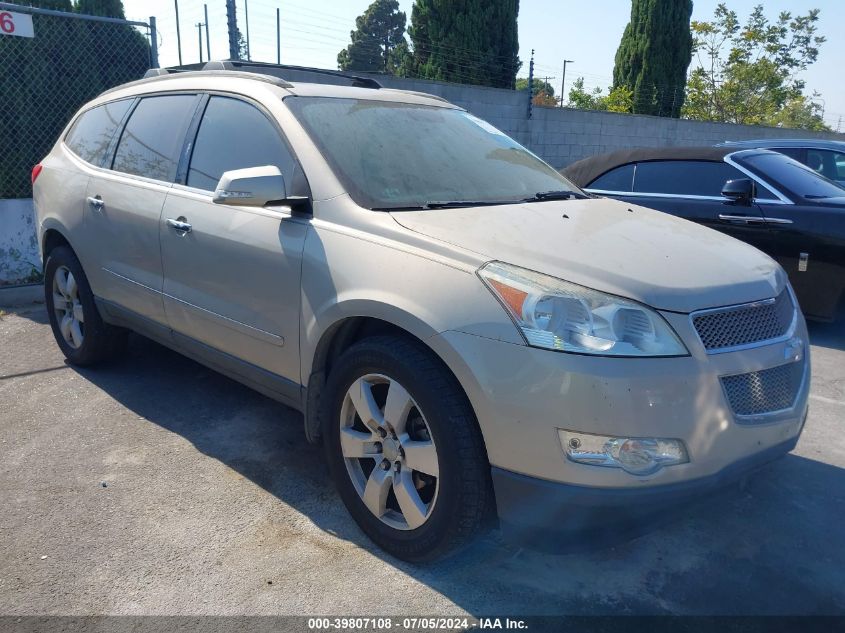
[156, 486]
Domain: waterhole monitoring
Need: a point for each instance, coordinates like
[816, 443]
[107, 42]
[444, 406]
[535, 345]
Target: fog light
[636, 455]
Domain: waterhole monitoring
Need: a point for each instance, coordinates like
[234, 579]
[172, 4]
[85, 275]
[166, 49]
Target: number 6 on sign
[19, 24]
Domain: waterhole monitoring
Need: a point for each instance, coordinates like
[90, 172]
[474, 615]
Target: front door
[808, 240]
[232, 274]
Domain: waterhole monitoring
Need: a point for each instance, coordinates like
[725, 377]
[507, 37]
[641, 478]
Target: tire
[86, 340]
[457, 502]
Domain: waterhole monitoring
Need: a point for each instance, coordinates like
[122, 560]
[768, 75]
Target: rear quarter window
[91, 134]
[617, 179]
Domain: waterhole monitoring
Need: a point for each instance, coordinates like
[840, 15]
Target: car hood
[623, 249]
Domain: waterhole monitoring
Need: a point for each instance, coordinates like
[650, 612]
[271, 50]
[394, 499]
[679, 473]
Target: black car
[823, 156]
[761, 197]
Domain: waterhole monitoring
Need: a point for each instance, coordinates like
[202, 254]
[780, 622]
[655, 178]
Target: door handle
[179, 225]
[96, 202]
[741, 219]
[777, 221]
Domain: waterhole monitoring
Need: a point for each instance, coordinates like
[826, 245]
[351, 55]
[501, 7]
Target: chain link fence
[44, 79]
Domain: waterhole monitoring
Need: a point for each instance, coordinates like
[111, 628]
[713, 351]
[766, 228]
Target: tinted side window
[828, 163]
[236, 135]
[798, 153]
[684, 177]
[619, 179]
[152, 139]
[90, 136]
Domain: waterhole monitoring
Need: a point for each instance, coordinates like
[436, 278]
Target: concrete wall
[19, 259]
[559, 135]
[564, 135]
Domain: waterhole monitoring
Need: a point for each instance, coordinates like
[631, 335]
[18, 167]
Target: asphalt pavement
[155, 486]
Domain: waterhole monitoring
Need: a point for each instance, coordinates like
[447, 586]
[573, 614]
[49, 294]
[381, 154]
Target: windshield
[792, 175]
[397, 155]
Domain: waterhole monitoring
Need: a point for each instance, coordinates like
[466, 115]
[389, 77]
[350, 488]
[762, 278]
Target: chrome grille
[745, 324]
[764, 391]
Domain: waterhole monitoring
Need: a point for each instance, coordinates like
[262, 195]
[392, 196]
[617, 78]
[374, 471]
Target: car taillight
[35, 171]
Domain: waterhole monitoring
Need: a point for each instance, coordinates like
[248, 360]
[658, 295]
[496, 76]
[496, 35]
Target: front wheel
[404, 449]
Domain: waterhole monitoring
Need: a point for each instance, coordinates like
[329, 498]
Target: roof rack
[262, 68]
[277, 70]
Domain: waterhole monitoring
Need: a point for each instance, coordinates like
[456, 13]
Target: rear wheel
[77, 326]
[404, 449]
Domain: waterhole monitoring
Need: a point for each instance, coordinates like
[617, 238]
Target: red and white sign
[19, 24]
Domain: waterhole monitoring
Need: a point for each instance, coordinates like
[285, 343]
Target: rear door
[233, 281]
[124, 203]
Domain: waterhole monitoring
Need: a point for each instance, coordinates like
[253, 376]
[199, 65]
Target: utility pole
[178, 34]
[207, 40]
[563, 80]
[278, 38]
[232, 25]
[246, 17]
[199, 26]
[153, 43]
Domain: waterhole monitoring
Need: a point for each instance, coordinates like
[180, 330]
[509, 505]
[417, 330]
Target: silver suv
[467, 333]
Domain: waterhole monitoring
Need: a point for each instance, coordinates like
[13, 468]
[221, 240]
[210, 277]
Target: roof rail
[156, 75]
[276, 70]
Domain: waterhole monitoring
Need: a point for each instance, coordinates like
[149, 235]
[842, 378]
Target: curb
[21, 295]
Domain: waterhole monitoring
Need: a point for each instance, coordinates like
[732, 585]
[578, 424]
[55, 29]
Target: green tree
[477, 44]
[750, 73]
[378, 41]
[619, 99]
[45, 79]
[116, 53]
[654, 55]
[543, 94]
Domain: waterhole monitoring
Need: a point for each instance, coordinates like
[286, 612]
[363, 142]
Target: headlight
[636, 455]
[563, 316]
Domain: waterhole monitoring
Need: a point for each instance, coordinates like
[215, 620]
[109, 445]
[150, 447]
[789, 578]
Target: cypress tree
[654, 54]
[471, 41]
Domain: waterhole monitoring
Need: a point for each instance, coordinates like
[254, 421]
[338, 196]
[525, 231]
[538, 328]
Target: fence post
[531, 85]
[153, 43]
[232, 23]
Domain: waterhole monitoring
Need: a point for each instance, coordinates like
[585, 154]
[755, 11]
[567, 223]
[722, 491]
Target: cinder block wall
[564, 135]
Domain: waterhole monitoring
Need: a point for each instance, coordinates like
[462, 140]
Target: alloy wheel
[389, 452]
[68, 308]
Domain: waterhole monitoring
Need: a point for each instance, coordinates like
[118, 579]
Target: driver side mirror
[253, 187]
[740, 191]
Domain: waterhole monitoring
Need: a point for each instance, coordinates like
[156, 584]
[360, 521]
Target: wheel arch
[53, 236]
[340, 336]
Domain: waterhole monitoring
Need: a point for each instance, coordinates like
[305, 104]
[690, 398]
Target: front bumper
[562, 517]
[523, 395]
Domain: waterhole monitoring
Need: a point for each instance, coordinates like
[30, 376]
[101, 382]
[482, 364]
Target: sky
[312, 34]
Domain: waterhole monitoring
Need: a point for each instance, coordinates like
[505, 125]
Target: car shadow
[830, 335]
[772, 548]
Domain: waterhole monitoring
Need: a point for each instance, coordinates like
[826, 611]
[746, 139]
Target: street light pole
[563, 79]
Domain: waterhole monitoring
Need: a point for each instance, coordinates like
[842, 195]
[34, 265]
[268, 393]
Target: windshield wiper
[411, 207]
[446, 204]
[454, 204]
[555, 195]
